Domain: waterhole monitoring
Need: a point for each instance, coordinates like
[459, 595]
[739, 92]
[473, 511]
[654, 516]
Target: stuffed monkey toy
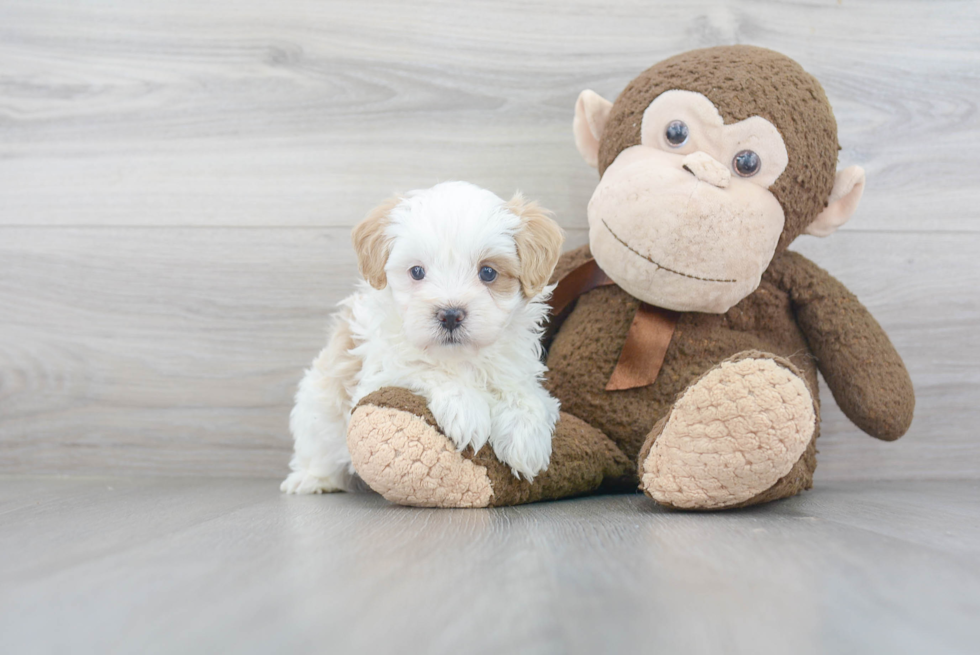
[685, 338]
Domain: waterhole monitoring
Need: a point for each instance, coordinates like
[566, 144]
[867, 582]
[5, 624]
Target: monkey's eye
[487, 274]
[676, 133]
[746, 163]
[417, 272]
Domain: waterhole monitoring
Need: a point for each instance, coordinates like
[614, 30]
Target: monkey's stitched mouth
[658, 265]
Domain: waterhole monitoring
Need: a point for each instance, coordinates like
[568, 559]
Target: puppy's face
[459, 261]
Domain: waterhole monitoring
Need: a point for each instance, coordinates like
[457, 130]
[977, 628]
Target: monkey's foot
[400, 452]
[732, 437]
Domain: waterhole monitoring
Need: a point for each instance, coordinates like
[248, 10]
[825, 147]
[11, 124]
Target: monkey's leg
[399, 451]
[743, 434]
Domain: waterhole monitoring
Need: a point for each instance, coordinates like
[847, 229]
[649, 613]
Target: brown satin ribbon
[645, 348]
[578, 282]
[646, 341]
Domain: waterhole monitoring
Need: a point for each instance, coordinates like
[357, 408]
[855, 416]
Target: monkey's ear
[372, 244]
[843, 201]
[539, 242]
[591, 113]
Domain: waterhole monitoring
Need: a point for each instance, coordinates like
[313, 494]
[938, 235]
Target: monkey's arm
[864, 372]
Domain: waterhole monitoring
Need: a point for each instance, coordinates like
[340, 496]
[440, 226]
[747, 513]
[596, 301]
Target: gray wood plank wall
[178, 181]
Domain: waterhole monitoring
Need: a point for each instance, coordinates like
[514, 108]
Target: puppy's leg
[523, 424]
[321, 462]
[462, 413]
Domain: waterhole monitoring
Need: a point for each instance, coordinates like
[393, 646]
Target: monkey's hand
[864, 372]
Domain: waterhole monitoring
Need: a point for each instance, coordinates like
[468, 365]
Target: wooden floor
[105, 565]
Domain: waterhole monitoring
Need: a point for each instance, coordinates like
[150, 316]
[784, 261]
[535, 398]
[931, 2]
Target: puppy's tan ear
[539, 243]
[372, 245]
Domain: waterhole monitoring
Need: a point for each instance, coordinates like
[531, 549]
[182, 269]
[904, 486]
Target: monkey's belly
[587, 348]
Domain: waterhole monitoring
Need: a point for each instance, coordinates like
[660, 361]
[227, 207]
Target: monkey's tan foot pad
[730, 436]
[399, 451]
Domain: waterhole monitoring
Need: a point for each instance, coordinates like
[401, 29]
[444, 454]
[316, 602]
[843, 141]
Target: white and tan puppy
[451, 308]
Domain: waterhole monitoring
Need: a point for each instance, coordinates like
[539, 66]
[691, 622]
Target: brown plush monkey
[687, 338]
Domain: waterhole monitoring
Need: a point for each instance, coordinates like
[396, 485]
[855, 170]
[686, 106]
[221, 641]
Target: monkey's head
[710, 164]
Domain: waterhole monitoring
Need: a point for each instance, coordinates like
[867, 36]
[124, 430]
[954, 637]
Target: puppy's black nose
[451, 317]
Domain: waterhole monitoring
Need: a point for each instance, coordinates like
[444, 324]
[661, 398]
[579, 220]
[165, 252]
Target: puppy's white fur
[482, 381]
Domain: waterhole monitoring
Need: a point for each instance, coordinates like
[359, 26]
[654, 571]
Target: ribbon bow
[646, 341]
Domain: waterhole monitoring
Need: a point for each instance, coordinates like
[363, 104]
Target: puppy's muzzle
[451, 318]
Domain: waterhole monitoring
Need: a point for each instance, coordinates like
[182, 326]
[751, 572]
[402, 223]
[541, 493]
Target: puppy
[452, 308]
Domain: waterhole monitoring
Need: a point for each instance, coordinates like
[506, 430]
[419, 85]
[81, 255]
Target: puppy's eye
[747, 163]
[487, 274]
[677, 133]
[417, 272]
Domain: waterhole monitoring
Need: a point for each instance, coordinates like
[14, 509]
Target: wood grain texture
[177, 182]
[204, 566]
[307, 113]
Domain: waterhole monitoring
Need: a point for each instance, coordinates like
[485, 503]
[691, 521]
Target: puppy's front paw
[302, 482]
[521, 437]
[463, 415]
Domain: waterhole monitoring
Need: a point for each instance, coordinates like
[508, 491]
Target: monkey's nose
[707, 169]
[451, 317]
